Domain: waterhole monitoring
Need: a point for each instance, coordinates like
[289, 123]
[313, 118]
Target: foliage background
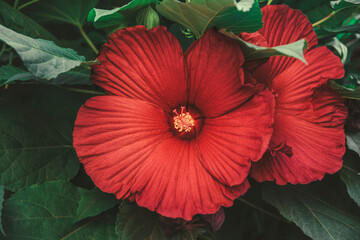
[45, 193]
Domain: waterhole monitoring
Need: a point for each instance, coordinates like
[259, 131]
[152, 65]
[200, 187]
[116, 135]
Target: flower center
[183, 121]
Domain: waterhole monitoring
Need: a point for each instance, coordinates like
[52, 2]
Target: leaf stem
[3, 48]
[88, 40]
[269, 2]
[27, 4]
[10, 57]
[79, 90]
[16, 3]
[263, 210]
[324, 19]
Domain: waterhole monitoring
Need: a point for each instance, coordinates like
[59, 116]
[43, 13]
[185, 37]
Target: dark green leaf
[342, 4]
[41, 57]
[76, 76]
[329, 32]
[47, 212]
[121, 17]
[310, 207]
[99, 228]
[148, 17]
[346, 92]
[34, 147]
[13, 19]
[1, 207]
[135, 223]
[93, 203]
[41, 211]
[353, 142]
[340, 49]
[253, 52]
[7, 72]
[317, 10]
[200, 15]
[69, 11]
[350, 172]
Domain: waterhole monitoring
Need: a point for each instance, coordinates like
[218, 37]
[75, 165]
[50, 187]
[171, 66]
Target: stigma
[183, 121]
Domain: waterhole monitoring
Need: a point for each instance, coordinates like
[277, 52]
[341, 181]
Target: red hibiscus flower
[177, 132]
[308, 139]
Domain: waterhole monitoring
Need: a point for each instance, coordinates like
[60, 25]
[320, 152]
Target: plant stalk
[324, 19]
[88, 40]
[27, 4]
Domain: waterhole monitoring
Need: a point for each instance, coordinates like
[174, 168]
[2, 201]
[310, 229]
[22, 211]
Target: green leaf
[41, 211]
[12, 18]
[41, 57]
[68, 11]
[340, 48]
[353, 142]
[76, 76]
[135, 223]
[342, 4]
[7, 72]
[34, 147]
[148, 17]
[47, 211]
[200, 15]
[2, 192]
[121, 17]
[328, 32]
[309, 207]
[94, 202]
[350, 173]
[100, 228]
[317, 10]
[346, 92]
[253, 52]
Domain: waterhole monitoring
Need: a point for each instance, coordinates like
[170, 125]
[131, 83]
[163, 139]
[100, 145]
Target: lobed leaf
[47, 211]
[200, 15]
[34, 147]
[42, 58]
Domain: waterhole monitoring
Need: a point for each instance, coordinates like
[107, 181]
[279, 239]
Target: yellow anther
[183, 121]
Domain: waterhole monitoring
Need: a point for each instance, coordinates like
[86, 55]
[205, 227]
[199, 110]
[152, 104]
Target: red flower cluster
[178, 133]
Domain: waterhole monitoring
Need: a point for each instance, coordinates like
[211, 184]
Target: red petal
[143, 64]
[113, 136]
[283, 25]
[214, 65]
[296, 84]
[175, 184]
[317, 143]
[227, 145]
